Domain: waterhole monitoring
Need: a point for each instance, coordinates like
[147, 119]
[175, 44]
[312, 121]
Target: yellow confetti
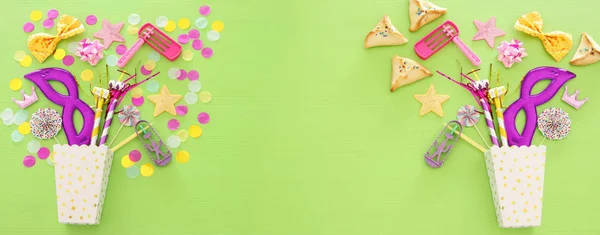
[187, 55]
[59, 54]
[195, 131]
[15, 84]
[182, 135]
[150, 65]
[218, 26]
[147, 170]
[132, 30]
[170, 27]
[36, 15]
[126, 162]
[26, 61]
[87, 75]
[183, 23]
[182, 156]
[24, 128]
[19, 55]
[205, 97]
[136, 92]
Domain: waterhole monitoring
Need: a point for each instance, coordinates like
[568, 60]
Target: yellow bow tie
[557, 43]
[43, 45]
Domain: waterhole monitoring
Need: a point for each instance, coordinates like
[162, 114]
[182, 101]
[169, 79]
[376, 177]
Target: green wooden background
[305, 137]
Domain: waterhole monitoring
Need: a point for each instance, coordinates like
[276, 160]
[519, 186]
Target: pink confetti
[121, 49]
[137, 101]
[181, 110]
[145, 71]
[173, 124]
[52, 14]
[204, 10]
[194, 34]
[91, 20]
[193, 75]
[197, 44]
[29, 161]
[43, 153]
[68, 60]
[135, 155]
[203, 118]
[183, 38]
[28, 27]
[182, 75]
[48, 23]
[207, 52]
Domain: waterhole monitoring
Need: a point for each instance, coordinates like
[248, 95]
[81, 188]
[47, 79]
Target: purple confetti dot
[182, 75]
[181, 110]
[43, 153]
[193, 75]
[145, 71]
[52, 14]
[197, 44]
[194, 33]
[183, 38]
[29, 161]
[91, 20]
[121, 49]
[48, 23]
[135, 155]
[137, 101]
[173, 124]
[207, 52]
[203, 118]
[68, 60]
[204, 10]
[28, 27]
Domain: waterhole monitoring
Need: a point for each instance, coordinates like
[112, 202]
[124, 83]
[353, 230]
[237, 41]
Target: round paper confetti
[48, 23]
[19, 55]
[129, 115]
[182, 156]
[162, 21]
[91, 20]
[137, 101]
[26, 61]
[182, 74]
[183, 23]
[173, 141]
[28, 27]
[203, 118]
[154, 56]
[218, 26]
[144, 71]
[24, 128]
[121, 49]
[194, 34]
[33, 146]
[45, 123]
[147, 170]
[7, 114]
[173, 124]
[111, 60]
[50, 160]
[132, 172]
[205, 97]
[59, 54]
[72, 47]
[467, 115]
[133, 19]
[207, 52]
[20, 117]
[182, 135]
[170, 27]
[52, 14]
[213, 36]
[43, 153]
[204, 10]
[195, 131]
[136, 92]
[68, 60]
[152, 86]
[16, 136]
[201, 22]
[194, 86]
[193, 75]
[187, 55]
[174, 73]
[554, 123]
[125, 162]
[135, 155]
[132, 30]
[150, 65]
[87, 75]
[29, 161]
[191, 98]
[197, 44]
[181, 110]
[9, 122]
[183, 38]
[36, 15]
[15, 84]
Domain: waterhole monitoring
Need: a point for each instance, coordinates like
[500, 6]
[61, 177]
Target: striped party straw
[496, 95]
[101, 96]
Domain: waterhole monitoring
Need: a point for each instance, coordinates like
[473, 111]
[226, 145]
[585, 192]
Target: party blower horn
[156, 39]
[440, 37]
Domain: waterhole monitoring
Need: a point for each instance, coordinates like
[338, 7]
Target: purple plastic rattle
[443, 144]
[528, 103]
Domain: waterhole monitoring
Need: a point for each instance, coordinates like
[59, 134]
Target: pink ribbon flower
[510, 53]
[90, 51]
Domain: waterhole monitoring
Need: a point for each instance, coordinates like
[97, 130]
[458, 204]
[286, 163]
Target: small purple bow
[510, 53]
[90, 51]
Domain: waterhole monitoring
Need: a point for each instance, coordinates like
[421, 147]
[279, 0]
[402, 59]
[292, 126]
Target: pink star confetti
[487, 31]
[110, 33]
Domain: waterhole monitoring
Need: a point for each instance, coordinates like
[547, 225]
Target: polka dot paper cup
[81, 174]
[517, 181]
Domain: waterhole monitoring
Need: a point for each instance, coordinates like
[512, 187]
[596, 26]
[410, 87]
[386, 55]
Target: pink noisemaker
[439, 38]
[156, 39]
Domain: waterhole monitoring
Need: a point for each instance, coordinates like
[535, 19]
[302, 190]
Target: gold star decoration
[165, 101]
[431, 102]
